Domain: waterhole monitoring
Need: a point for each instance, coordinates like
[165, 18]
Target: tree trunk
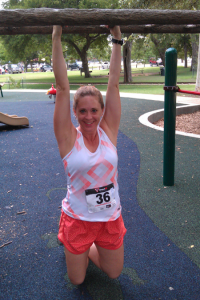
[197, 88]
[85, 64]
[185, 55]
[194, 52]
[82, 17]
[127, 62]
[160, 49]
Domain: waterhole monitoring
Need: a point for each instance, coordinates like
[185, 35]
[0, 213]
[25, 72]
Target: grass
[145, 80]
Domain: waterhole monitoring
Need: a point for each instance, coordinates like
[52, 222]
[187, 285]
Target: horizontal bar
[85, 17]
[101, 30]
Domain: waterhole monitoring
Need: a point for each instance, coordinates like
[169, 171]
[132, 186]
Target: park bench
[82, 71]
[1, 85]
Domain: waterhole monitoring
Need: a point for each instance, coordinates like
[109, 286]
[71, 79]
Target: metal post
[1, 91]
[169, 117]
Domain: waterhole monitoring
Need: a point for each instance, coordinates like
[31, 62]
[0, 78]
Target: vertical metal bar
[1, 91]
[169, 117]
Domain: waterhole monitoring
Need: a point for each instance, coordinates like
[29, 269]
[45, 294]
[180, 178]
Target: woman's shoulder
[105, 133]
[67, 144]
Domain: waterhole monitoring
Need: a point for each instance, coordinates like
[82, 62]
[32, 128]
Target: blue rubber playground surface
[162, 244]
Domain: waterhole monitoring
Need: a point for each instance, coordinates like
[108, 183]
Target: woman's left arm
[112, 114]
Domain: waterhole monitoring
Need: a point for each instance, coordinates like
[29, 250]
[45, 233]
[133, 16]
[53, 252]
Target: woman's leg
[76, 266]
[109, 261]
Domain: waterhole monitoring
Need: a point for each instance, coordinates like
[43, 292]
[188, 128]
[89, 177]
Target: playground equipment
[170, 89]
[23, 21]
[1, 85]
[138, 20]
[13, 120]
[52, 92]
[169, 117]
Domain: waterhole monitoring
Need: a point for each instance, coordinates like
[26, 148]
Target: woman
[91, 225]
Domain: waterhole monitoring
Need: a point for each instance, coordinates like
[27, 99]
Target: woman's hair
[88, 90]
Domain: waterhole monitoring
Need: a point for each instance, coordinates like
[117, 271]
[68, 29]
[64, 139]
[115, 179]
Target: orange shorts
[78, 236]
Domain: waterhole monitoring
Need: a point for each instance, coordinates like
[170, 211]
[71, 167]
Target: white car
[105, 65]
[2, 70]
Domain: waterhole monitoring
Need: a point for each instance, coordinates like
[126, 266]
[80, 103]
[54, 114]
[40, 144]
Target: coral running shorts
[78, 236]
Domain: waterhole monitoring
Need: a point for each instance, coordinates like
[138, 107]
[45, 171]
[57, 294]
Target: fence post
[169, 117]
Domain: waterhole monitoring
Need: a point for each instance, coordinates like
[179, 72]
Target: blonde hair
[88, 90]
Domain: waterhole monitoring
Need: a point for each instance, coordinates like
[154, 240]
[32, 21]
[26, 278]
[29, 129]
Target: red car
[157, 62]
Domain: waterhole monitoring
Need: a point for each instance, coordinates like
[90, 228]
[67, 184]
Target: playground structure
[140, 21]
[13, 120]
[170, 115]
[1, 85]
[40, 20]
[52, 92]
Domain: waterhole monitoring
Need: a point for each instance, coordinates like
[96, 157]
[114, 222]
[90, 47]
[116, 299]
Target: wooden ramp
[13, 120]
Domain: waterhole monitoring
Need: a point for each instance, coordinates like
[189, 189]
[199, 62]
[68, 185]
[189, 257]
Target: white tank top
[92, 188]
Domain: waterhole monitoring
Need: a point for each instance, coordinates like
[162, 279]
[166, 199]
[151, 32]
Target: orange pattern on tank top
[106, 144]
[77, 145]
[112, 179]
[67, 206]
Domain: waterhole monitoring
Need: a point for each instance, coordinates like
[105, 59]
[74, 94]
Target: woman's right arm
[65, 131]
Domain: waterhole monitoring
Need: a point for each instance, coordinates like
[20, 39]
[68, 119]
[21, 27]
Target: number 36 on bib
[101, 198]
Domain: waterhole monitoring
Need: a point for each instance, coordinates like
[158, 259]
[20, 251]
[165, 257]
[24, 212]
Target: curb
[151, 117]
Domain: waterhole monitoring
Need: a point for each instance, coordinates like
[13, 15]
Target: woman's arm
[64, 130]
[111, 119]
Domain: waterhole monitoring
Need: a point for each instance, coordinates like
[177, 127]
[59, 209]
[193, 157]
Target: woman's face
[88, 113]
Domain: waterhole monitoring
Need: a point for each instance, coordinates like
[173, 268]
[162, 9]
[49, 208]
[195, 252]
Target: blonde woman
[91, 225]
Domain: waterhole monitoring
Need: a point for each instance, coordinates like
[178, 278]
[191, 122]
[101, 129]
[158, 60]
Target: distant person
[91, 225]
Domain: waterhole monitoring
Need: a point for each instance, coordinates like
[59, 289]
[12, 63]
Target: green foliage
[89, 4]
[75, 46]
[181, 42]
[2, 54]
[13, 84]
[155, 45]
[157, 4]
[141, 48]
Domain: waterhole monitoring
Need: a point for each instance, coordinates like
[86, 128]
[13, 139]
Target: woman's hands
[115, 31]
[57, 31]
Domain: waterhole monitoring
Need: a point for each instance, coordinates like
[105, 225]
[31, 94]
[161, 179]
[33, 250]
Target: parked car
[79, 63]
[46, 68]
[74, 66]
[2, 70]
[105, 65]
[156, 62]
[14, 69]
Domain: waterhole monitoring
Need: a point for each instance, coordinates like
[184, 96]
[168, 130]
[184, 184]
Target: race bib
[101, 198]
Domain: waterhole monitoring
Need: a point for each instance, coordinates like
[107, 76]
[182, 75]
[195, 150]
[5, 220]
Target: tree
[194, 40]
[2, 54]
[82, 44]
[79, 43]
[127, 59]
[21, 48]
[182, 43]
[176, 4]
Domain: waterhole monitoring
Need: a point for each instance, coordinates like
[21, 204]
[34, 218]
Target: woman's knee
[113, 274]
[76, 280]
